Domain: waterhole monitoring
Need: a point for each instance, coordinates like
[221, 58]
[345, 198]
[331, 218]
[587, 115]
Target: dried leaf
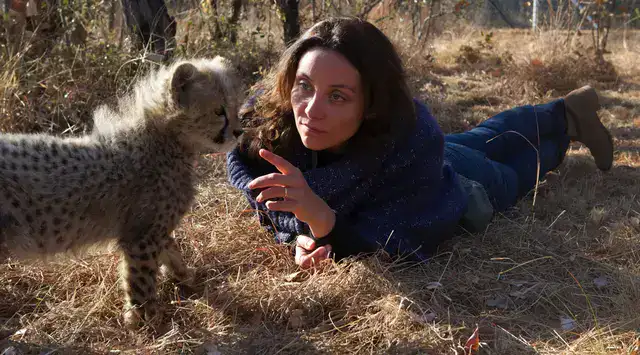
[211, 349]
[522, 293]
[297, 276]
[429, 317]
[636, 348]
[296, 318]
[433, 285]
[208, 348]
[498, 302]
[12, 350]
[536, 62]
[567, 323]
[473, 343]
[426, 318]
[598, 215]
[601, 281]
[19, 334]
[517, 283]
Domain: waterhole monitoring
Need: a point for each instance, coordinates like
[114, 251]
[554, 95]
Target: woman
[339, 158]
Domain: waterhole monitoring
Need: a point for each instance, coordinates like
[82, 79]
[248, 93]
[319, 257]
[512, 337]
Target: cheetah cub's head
[208, 94]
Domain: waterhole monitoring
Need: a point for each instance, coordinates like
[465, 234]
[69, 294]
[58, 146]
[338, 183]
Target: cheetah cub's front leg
[173, 264]
[139, 273]
[140, 269]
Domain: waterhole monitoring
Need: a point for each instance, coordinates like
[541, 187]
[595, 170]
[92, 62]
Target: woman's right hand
[307, 255]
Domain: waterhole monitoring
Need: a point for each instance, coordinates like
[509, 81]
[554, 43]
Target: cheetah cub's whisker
[130, 181]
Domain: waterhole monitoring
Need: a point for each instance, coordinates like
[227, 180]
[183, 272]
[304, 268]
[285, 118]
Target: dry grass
[572, 259]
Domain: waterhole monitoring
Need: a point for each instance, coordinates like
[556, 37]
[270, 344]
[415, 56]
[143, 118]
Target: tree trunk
[151, 23]
[290, 23]
[236, 8]
[607, 25]
[435, 6]
[116, 20]
[367, 8]
[216, 24]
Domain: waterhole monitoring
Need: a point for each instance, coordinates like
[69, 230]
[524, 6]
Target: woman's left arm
[241, 170]
[293, 195]
[298, 204]
[298, 211]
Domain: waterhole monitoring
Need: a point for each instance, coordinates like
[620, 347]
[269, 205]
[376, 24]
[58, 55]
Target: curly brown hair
[389, 107]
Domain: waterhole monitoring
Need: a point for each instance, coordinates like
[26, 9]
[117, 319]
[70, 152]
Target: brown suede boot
[583, 125]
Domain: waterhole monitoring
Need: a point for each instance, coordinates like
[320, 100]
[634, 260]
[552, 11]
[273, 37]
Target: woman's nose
[315, 108]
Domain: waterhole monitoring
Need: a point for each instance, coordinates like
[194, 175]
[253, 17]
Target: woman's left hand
[307, 255]
[298, 197]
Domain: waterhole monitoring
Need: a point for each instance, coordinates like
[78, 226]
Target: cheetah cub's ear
[182, 83]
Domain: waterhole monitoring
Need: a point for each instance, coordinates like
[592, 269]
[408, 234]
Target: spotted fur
[129, 181]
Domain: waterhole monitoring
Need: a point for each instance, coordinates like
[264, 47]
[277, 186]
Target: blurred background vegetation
[53, 51]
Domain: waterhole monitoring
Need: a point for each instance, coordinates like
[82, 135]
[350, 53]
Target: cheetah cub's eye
[221, 111]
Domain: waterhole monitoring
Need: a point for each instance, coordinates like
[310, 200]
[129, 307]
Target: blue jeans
[506, 166]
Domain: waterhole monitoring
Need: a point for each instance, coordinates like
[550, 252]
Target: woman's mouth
[313, 130]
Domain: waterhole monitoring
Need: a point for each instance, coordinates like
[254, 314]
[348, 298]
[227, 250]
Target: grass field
[561, 276]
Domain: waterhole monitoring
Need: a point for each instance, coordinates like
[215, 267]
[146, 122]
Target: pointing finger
[279, 162]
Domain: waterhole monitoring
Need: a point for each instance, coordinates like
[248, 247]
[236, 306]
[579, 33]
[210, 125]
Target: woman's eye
[304, 85]
[336, 97]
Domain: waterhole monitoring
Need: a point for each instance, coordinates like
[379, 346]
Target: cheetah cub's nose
[237, 132]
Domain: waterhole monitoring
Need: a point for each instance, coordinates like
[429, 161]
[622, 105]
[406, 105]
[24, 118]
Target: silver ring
[286, 194]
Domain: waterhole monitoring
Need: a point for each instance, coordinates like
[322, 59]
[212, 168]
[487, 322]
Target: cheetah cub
[129, 181]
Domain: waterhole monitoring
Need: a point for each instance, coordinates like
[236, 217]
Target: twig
[367, 8]
[441, 275]
[557, 218]
[522, 264]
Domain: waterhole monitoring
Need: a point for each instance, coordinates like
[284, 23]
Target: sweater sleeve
[240, 171]
[344, 238]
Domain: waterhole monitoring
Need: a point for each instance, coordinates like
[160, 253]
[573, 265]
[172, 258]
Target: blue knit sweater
[406, 200]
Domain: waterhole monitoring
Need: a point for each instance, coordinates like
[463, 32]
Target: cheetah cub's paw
[186, 276]
[135, 317]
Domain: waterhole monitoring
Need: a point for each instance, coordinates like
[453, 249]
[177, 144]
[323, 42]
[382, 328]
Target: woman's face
[327, 99]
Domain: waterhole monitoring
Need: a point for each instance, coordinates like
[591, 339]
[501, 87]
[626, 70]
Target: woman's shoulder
[426, 124]
[423, 113]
